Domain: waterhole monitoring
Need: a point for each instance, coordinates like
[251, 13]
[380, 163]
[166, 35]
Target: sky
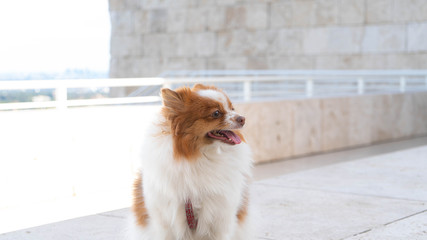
[54, 35]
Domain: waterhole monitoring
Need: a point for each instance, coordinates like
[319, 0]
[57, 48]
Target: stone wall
[152, 36]
[291, 128]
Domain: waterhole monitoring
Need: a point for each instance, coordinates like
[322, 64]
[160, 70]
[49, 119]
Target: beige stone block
[225, 2]
[122, 22]
[158, 45]
[177, 19]
[121, 5]
[184, 45]
[163, 4]
[243, 43]
[256, 16]
[351, 62]
[304, 13]
[410, 10]
[407, 61]
[186, 63]
[417, 37]
[307, 137]
[419, 100]
[404, 112]
[196, 19]
[326, 12]
[383, 39]
[141, 22]
[134, 67]
[227, 63]
[291, 62]
[286, 41]
[281, 14]
[204, 44]
[331, 40]
[258, 43]
[215, 18]
[338, 62]
[122, 46]
[383, 117]
[235, 17]
[147, 67]
[158, 19]
[270, 137]
[257, 63]
[360, 120]
[193, 44]
[153, 4]
[351, 11]
[379, 11]
[335, 123]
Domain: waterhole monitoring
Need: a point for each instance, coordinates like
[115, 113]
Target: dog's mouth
[225, 136]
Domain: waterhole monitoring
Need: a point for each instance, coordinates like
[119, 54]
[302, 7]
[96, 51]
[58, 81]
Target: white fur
[220, 97]
[215, 184]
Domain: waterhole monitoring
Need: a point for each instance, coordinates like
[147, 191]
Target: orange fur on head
[189, 117]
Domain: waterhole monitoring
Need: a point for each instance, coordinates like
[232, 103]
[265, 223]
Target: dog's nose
[241, 120]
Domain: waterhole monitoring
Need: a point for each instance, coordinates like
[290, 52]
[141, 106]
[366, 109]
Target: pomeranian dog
[195, 169]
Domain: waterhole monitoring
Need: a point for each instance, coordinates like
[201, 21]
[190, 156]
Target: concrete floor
[375, 192]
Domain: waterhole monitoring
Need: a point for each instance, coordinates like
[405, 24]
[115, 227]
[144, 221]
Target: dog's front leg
[217, 221]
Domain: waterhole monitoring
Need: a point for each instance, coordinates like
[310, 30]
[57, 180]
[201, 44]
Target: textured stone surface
[326, 12]
[379, 11]
[257, 16]
[335, 118]
[281, 14]
[417, 37]
[303, 13]
[397, 175]
[282, 123]
[332, 40]
[413, 227]
[410, 10]
[384, 38]
[308, 126]
[298, 213]
[268, 34]
[351, 11]
[319, 125]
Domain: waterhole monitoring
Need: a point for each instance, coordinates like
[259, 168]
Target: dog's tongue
[232, 136]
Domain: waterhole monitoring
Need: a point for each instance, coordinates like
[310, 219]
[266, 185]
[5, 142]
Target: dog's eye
[216, 114]
[232, 109]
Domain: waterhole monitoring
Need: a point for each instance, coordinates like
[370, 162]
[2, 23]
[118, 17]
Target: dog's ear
[171, 99]
[199, 86]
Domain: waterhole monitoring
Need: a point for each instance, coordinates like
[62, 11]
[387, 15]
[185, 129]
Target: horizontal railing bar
[110, 101]
[245, 73]
[80, 83]
[27, 105]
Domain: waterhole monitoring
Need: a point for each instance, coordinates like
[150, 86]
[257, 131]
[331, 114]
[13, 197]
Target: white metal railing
[240, 85]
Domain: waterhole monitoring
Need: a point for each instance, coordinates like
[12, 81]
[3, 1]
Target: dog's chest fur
[214, 183]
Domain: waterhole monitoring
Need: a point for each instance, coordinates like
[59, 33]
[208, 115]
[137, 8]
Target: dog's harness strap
[191, 220]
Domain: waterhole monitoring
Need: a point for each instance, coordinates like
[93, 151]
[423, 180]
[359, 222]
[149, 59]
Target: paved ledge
[378, 197]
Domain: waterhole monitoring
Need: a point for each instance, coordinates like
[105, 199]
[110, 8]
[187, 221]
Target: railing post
[247, 90]
[309, 87]
[402, 84]
[360, 86]
[61, 97]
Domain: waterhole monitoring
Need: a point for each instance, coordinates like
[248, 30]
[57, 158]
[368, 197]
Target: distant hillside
[48, 94]
[68, 74]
